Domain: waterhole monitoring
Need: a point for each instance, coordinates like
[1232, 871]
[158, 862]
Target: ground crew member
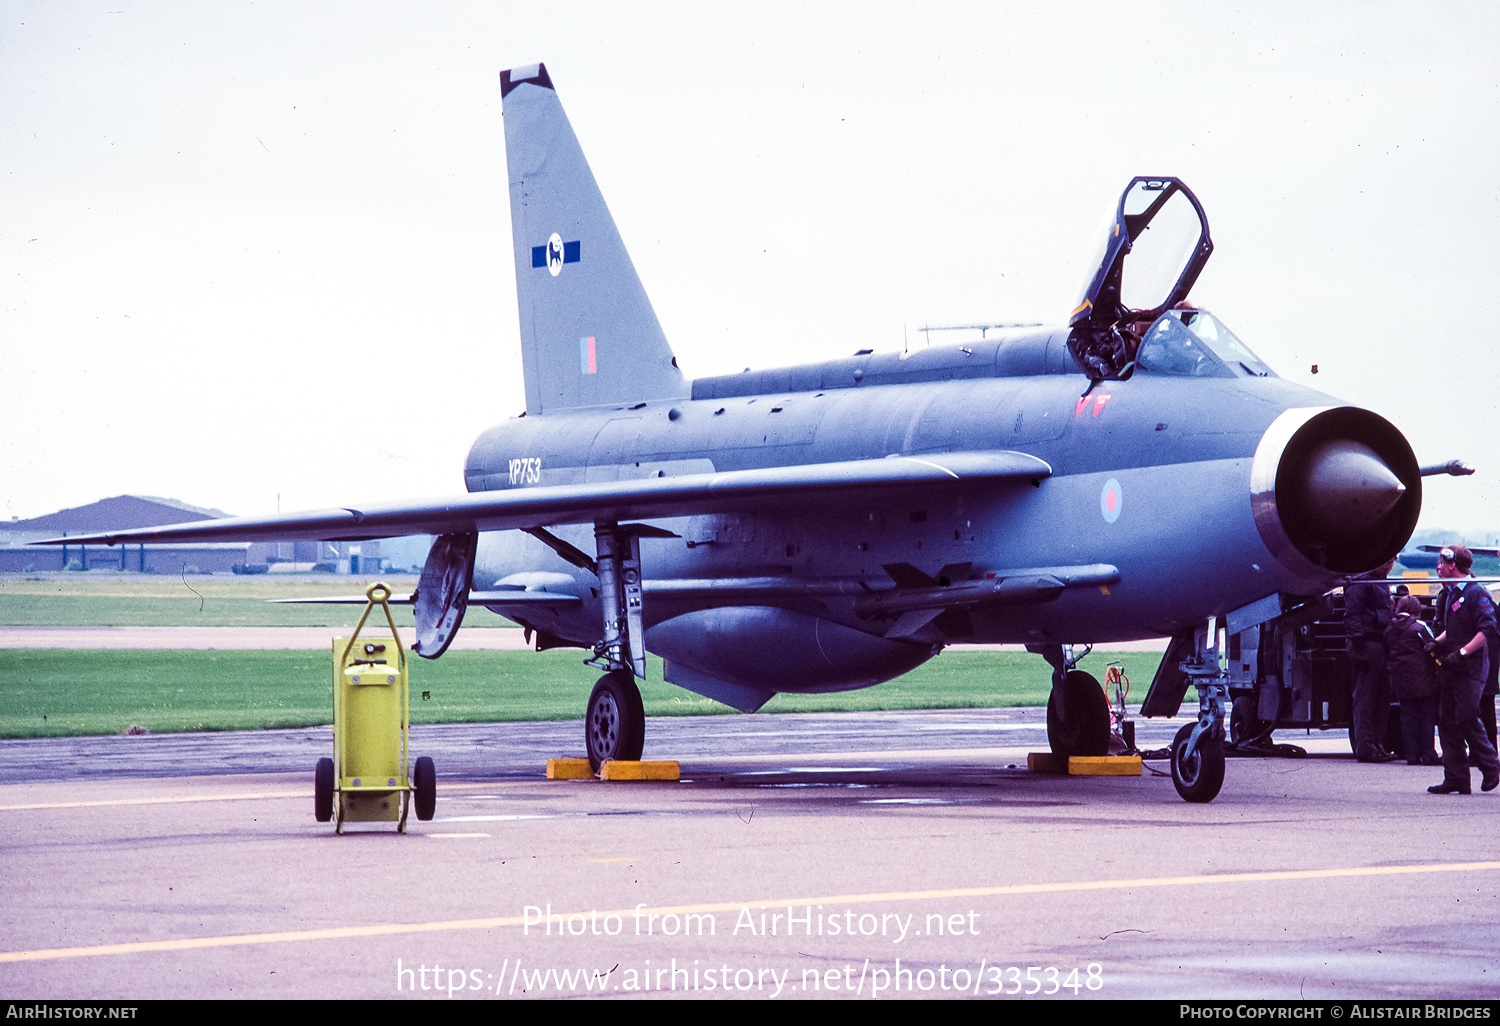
[1367, 614]
[1491, 687]
[1414, 682]
[1466, 614]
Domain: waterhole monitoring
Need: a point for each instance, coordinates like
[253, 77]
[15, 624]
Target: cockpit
[1194, 343]
[1133, 311]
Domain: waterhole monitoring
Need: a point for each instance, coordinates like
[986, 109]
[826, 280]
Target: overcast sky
[262, 250]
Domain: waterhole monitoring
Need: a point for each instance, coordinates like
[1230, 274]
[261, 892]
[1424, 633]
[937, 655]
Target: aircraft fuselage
[1152, 474]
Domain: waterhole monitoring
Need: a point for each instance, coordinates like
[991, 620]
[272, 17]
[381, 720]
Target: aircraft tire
[1243, 721]
[424, 787]
[615, 726]
[1080, 724]
[323, 790]
[1200, 778]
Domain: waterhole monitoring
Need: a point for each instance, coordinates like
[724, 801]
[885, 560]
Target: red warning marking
[1099, 401]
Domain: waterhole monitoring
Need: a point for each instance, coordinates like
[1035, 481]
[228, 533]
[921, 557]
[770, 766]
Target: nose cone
[1349, 488]
[1333, 491]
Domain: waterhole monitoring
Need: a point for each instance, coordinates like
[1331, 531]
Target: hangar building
[19, 552]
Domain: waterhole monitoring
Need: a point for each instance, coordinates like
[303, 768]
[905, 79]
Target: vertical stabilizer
[588, 334]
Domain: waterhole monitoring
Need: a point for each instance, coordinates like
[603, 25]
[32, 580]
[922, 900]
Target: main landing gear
[615, 725]
[616, 722]
[1245, 725]
[1077, 711]
[1078, 715]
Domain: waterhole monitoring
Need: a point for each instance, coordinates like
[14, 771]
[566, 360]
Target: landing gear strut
[615, 725]
[1198, 748]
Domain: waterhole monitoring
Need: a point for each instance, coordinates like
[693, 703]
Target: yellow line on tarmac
[389, 929]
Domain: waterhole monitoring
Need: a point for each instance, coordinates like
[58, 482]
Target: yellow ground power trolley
[367, 779]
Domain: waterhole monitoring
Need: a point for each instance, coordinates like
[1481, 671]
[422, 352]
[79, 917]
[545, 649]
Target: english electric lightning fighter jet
[1135, 473]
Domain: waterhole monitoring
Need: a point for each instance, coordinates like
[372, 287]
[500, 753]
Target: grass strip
[64, 693]
[194, 602]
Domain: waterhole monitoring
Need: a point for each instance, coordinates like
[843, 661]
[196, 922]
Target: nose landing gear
[1197, 772]
[1198, 748]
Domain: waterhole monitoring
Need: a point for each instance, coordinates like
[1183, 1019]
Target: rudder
[589, 336]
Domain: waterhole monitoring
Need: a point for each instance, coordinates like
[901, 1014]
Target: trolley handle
[377, 593]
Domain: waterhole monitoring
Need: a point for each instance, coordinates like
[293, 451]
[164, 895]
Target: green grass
[198, 601]
[59, 693]
[55, 692]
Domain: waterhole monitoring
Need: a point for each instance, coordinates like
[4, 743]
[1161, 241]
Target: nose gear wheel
[1198, 776]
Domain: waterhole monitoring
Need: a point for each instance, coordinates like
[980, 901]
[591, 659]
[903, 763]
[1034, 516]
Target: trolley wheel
[323, 790]
[1078, 717]
[1244, 723]
[1199, 778]
[615, 726]
[424, 787]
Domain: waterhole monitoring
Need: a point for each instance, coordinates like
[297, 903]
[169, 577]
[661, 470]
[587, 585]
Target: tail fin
[588, 334]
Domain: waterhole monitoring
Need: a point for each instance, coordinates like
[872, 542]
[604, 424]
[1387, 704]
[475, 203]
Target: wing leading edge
[686, 495]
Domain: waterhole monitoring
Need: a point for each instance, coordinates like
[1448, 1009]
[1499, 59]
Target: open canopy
[1152, 247]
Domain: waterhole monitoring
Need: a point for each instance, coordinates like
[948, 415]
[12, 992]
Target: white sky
[260, 249]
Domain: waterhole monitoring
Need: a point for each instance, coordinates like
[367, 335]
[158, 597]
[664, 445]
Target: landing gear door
[443, 592]
[1151, 249]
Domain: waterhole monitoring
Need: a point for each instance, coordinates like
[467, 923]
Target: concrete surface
[191, 866]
